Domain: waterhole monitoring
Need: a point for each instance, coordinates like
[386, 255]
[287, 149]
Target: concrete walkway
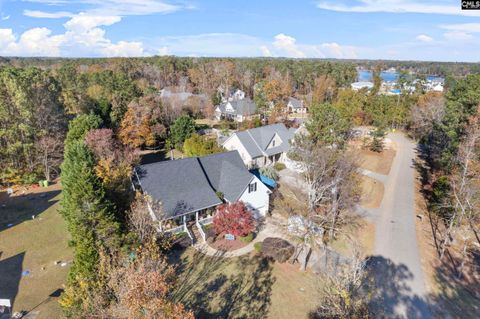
[269, 230]
[380, 177]
[396, 264]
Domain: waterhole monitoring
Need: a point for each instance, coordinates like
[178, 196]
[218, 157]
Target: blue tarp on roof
[267, 181]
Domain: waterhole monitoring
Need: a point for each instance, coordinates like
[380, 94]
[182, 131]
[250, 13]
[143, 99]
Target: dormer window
[273, 143]
[252, 187]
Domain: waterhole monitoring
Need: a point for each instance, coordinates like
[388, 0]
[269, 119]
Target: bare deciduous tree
[50, 154]
[331, 183]
[465, 186]
[342, 296]
[139, 218]
[429, 110]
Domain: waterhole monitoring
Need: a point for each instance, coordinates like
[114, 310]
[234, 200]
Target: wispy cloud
[460, 31]
[424, 38]
[113, 7]
[48, 15]
[398, 6]
[463, 27]
[234, 44]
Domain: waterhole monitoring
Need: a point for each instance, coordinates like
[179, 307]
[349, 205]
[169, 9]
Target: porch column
[184, 223]
[196, 216]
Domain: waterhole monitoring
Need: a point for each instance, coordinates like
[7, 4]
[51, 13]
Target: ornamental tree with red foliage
[234, 218]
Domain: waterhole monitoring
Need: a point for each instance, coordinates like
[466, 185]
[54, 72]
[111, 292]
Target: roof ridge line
[205, 173]
[249, 134]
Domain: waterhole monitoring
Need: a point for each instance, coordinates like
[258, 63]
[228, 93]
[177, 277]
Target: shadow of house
[10, 276]
[153, 157]
[391, 295]
[21, 208]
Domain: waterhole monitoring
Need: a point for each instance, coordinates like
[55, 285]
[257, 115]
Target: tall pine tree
[90, 220]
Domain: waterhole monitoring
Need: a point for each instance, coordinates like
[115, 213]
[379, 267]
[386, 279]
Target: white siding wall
[259, 200]
[233, 143]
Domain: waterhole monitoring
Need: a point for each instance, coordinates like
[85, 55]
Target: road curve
[400, 280]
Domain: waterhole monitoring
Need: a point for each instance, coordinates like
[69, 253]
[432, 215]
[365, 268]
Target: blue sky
[372, 29]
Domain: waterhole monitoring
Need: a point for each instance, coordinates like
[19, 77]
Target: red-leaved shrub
[233, 219]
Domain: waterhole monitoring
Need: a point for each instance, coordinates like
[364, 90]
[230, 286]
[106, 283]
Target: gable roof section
[188, 185]
[295, 103]
[226, 173]
[243, 107]
[256, 140]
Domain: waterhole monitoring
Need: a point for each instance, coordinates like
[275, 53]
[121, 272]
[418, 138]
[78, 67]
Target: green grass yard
[33, 245]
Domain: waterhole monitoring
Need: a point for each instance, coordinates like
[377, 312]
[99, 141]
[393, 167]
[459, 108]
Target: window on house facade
[252, 187]
[273, 143]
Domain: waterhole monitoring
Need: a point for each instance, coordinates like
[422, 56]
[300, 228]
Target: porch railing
[200, 230]
[176, 230]
[187, 231]
[206, 221]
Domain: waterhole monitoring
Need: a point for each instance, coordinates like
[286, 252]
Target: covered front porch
[184, 223]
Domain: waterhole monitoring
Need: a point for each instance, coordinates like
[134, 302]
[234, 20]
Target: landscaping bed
[220, 243]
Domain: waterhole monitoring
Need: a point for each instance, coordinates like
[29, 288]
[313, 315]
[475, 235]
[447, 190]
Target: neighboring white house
[189, 189]
[438, 88]
[232, 95]
[295, 105]
[356, 86]
[236, 110]
[262, 145]
[237, 95]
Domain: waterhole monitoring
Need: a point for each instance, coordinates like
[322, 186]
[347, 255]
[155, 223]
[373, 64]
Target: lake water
[365, 75]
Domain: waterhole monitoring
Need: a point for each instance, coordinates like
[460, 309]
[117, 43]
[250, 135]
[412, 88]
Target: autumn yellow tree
[144, 123]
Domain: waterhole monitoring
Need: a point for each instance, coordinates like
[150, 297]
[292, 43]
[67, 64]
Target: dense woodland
[85, 119]
[40, 96]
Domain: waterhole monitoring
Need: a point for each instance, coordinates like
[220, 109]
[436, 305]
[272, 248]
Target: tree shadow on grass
[212, 291]
[20, 208]
[10, 276]
[391, 296]
[459, 292]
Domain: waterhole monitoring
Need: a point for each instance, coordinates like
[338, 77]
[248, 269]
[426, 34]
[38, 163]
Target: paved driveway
[399, 279]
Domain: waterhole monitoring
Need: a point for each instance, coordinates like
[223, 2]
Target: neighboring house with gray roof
[236, 110]
[263, 145]
[188, 188]
[295, 105]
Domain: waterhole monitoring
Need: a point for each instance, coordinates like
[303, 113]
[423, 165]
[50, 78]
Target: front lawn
[33, 245]
[244, 287]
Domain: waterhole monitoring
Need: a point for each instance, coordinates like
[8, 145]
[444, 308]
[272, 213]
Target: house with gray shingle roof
[236, 110]
[188, 189]
[263, 145]
[295, 105]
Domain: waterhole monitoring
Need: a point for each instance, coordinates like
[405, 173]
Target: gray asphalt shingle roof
[295, 103]
[188, 185]
[243, 107]
[226, 173]
[256, 140]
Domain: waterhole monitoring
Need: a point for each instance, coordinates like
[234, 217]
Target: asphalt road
[400, 286]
